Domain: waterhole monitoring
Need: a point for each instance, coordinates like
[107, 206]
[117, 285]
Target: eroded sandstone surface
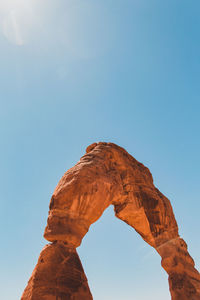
[107, 175]
[58, 275]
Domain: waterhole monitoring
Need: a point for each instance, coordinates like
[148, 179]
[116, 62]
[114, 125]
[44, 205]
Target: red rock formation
[107, 175]
[58, 275]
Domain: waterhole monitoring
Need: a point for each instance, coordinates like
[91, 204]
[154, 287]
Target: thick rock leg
[58, 275]
[184, 279]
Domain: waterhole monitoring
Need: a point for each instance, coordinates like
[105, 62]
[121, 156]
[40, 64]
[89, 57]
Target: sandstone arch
[107, 175]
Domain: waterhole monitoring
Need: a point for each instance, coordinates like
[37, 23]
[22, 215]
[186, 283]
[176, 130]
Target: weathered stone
[58, 275]
[107, 175]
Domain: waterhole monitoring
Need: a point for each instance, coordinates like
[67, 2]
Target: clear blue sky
[73, 72]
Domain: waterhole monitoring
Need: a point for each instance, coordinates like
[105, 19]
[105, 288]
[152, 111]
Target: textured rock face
[107, 175]
[58, 275]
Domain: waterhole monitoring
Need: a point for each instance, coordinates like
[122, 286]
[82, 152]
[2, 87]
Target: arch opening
[119, 264]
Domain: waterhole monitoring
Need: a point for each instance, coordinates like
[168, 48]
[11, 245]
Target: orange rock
[58, 275]
[107, 175]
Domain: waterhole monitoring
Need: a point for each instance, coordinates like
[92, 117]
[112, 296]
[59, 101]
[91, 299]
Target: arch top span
[108, 175]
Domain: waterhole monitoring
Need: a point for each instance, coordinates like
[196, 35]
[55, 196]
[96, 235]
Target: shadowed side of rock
[184, 279]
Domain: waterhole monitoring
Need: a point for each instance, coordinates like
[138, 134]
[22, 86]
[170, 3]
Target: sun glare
[13, 4]
[15, 16]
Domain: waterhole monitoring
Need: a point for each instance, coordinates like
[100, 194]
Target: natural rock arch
[107, 175]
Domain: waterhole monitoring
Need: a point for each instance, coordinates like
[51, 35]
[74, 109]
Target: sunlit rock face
[107, 175]
[58, 275]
